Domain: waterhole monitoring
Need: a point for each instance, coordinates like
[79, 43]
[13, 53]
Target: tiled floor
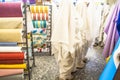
[47, 68]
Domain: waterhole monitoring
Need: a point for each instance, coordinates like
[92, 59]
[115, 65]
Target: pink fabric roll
[10, 9]
[39, 16]
[8, 72]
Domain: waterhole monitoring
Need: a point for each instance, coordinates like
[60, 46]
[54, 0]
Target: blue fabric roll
[110, 68]
[8, 44]
[118, 24]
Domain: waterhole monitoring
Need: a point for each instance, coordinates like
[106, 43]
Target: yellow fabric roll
[45, 9]
[13, 66]
[32, 10]
[10, 35]
[11, 23]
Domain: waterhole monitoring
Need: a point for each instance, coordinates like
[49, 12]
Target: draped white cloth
[64, 28]
[66, 39]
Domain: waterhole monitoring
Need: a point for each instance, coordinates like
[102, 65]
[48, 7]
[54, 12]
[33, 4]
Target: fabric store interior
[59, 39]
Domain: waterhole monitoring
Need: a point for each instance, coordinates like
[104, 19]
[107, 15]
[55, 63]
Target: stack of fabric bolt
[11, 55]
[40, 17]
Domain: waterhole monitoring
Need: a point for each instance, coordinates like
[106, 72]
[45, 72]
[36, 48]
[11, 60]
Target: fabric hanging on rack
[10, 49]
[13, 66]
[7, 72]
[11, 55]
[39, 9]
[11, 61]
[10, 35]
[8, 43]
[39, 24]
[9, 9]
[118, 24]
[39, 16]
[11, 23]
[111, 31]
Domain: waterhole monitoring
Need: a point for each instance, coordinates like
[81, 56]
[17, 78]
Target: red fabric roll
[11, 55]
[10, 9]
[11, 61]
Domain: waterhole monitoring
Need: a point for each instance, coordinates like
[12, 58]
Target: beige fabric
[11, 23]
[105, 12]
[65, 37]
[64, 30]
[111, 2]
[10, 35]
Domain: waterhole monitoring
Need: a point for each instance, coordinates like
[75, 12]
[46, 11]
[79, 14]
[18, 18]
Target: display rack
[24, 45]
[39, 48]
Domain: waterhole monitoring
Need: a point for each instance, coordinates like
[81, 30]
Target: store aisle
[47, 68]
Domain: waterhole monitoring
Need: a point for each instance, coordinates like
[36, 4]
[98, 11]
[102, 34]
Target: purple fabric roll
[32, 1]
[10, 9]
[111, 31]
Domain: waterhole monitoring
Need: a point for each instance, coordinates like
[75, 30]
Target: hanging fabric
[111, 31]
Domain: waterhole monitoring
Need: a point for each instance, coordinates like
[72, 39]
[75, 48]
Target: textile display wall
[40, 16]
[11, 26]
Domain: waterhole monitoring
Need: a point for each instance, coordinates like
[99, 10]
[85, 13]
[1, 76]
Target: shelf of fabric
[12, 32]
[41, 20]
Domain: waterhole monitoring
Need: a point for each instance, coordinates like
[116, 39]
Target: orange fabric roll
[11, 55]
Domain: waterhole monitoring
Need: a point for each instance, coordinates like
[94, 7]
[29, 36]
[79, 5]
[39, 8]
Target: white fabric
[29, 22]
[10, 49]
[66, 39]
[64, 30]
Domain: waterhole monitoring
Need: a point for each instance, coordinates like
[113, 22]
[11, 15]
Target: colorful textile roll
[39, 16]
[8, 44]
[8, 72]
[11, 61]
[10, 35]
[10, 9]
[11, 23]
[39, 24]
[10, 49]
[12, 66]
[39, 9]
[11, 55]
[39, 31]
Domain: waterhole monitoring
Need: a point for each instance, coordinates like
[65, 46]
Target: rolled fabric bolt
[10, 49]
[11, 56]
[11, 61]
[43, 16]
[45, 9]
[11, 35]
[13, 66]
[10, 9]
[32, 9]
[45, 24]
[37, 9]
[8, 72]
[8, 43]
